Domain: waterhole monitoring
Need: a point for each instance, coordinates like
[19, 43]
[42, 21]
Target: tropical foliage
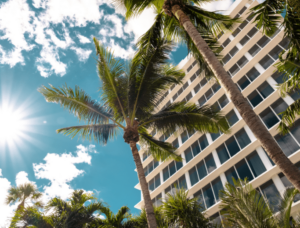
[243, 206]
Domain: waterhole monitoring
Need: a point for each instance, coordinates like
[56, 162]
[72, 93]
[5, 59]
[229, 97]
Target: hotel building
[210, 160]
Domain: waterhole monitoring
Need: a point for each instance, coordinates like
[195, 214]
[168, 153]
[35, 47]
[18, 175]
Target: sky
[50, 42]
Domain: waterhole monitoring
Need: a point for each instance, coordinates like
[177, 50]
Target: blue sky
[49, 41]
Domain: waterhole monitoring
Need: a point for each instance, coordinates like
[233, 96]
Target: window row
[150, 167]
[195, 148]
[178, 184]
[154, 182]
[249, 167]
[209, 93]
[238, 66]
[191, 66]
[271, 57]
[242, 25]
[157, 201]
[248, 36]
[260, 93]
[221, 103]
[210, 194]
[172, 168]
[204, 167]
[248, 78]
[233, 145]
[145, 155]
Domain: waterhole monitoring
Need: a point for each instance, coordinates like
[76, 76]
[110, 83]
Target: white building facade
[210, 160]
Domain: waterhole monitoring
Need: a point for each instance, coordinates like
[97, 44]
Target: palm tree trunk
[239, 101]
[144, 186]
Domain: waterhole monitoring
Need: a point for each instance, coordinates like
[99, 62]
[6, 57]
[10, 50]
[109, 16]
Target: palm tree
[129, 101]
[77, 212]
[141, 219]
[244, 207]
[179, 210]
[185, 21]
[23, 193]
[122, 219]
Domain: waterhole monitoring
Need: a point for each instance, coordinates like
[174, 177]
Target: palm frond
[160, 151]
[187, 116]
[289, 116]
[267, 15]
[111, 72]
[100, 133]
[78, 103]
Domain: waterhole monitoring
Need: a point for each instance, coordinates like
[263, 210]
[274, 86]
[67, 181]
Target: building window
[154, 183]
[178, 184]
[242, 62]
[226, 42]
[172, 168]
[231, 118]
[270, 192]
[196, 148]
[145, 155]
[149, 168]
[157, 201]
[259, 94]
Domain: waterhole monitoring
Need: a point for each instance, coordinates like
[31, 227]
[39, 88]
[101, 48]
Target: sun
[12, 124]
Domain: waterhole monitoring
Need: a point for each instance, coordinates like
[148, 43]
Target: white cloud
[82, 54]
[60, 43]
[218, 5]
[60, 170]
[139, 25]
[22, 178]
[119, 51]
[118, 29]
[6, 211]
[83, 39]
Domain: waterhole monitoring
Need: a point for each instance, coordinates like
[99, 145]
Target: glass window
[255, 98]
[243, 25]
[203, 142]
[193, 176]
[243, 61]
[193, 77]
[188, 154]
[277, 31]
[222, 153]
[232, 146]
[217, 186]
[172, 168]
[226, 58]
[234, 69]
[252, 32]
[150, 167]
[180, 91]
[216, 87]
[200, 199]
[146, 171]
[249, 18]
[243, 82]
[268, 117]
[167, 190]
[231, 173]
[278, 77]
[210, 163]
[266, 62]
[151, 185]
[216, 219]
[284, 180]
[233, 51]
[243, 170]
[201, 169]
[226, 42]
[162, 138]
[285, 43]
[272, 195]
[242, 10]
[275, 52]
[197, 72]
[178, 165]
[189, 68]
[295, 94]
[215, 107]
[157, 181]
[202, 101]
[214, 136]
[223, 101]
[173, 86]
[254, 50]
[279, 106]
[182, 182]
[189, 96]
[203, 82]
[175, 96]
[263, 41]
[232, 118]
[255, 164]
[265, 89]
[253, 74]
[295, 130]
[244, 40]
[195, 148]
[208, 196]
[175, 143]
[166, 174]
[197, 88]
[209, 94]
[237, 31]
[185, 85]
[184, 136]
[242, 138]
[287, 144]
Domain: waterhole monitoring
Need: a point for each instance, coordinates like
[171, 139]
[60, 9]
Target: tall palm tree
[141, 219]
[244, 207]
[23, 193]
[185, 21]
[76, 212]
[129, 101]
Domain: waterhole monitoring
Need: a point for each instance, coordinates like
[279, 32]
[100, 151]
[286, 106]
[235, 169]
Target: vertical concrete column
[216, 158]
[209, 139]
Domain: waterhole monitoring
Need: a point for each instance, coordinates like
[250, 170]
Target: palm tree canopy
[208, 24]
[23, 192]
[130, 97]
